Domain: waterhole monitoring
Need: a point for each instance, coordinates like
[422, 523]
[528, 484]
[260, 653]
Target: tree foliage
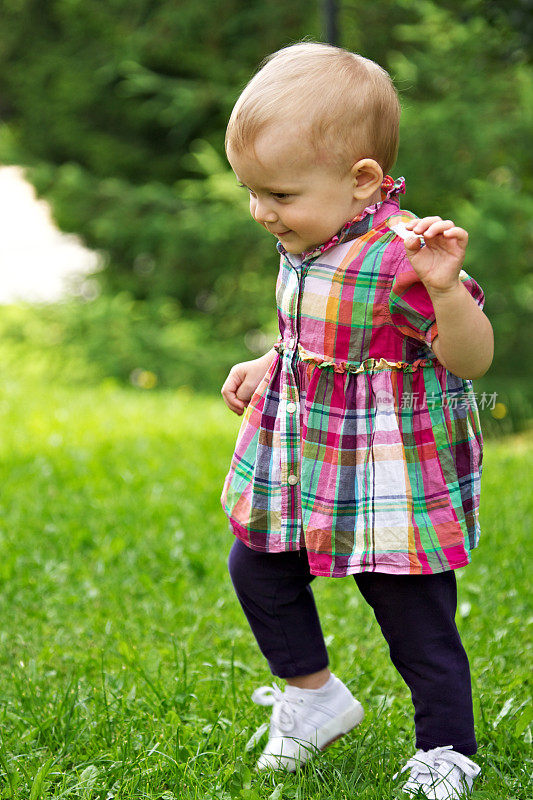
[118, 109]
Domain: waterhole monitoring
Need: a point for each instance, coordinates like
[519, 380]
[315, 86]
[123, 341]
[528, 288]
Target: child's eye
[243, 186]
[277, 195]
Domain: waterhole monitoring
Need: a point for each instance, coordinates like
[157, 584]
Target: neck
[360, 205]
[375, 198]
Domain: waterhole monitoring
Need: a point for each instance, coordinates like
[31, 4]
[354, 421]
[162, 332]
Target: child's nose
[262, 211]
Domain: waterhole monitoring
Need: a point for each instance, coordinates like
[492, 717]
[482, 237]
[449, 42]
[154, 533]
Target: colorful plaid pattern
[358, 444]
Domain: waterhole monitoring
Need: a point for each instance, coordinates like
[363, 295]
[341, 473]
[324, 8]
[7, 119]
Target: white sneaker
[440, 774]
[304, 721]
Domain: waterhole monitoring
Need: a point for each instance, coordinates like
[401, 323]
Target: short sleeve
[410, 305]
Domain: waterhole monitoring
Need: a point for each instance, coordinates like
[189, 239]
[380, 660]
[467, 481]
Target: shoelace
[283, 714]
[422, 764]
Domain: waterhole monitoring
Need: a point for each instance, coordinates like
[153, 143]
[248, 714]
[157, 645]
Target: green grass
[126, 665]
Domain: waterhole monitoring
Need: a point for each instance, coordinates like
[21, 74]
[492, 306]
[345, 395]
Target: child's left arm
[465, 341]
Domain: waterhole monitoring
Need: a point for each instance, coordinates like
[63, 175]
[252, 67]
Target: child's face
[298, 198]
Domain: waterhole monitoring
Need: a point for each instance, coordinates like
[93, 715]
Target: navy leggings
[416, 614]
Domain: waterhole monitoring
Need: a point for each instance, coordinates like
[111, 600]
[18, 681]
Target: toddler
[360, 448]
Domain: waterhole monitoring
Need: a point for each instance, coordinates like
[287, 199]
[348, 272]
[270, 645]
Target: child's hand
[439, 263]
[243, 380]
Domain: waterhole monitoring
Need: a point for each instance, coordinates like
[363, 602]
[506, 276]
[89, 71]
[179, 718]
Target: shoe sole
[349, 720]
[327, 735]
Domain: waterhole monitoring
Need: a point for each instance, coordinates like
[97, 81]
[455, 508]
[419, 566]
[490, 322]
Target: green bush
[146, 343]
[155, 344]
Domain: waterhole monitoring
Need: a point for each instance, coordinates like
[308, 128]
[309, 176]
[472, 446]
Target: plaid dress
[358, 445]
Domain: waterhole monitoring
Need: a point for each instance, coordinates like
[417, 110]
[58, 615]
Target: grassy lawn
[126, 665]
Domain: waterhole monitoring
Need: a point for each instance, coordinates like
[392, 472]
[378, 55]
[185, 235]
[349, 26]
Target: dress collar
[368, 218]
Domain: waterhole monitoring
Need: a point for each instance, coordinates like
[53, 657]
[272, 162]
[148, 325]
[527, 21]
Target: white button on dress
[291, 407]
[293, 480]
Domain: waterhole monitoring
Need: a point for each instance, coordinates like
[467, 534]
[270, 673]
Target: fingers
[229, 392]
[235, 405]
[429, 227]
[412, 243]
[457, 233]
[421, 224]
[242, 382]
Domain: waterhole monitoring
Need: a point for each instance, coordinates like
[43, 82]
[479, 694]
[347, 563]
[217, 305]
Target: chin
[296, 249]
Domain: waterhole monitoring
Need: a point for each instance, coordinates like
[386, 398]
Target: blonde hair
[345, 103]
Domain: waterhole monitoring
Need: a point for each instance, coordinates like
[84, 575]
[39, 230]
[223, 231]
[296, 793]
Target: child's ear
[367, 178]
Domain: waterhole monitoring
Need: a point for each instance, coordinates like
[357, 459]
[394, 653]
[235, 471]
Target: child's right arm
[243, 380]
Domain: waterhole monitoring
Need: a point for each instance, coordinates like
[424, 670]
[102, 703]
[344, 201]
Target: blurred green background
[118, 111]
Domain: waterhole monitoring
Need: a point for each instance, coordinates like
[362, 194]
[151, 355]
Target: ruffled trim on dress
[368, 365]
[389, 188]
